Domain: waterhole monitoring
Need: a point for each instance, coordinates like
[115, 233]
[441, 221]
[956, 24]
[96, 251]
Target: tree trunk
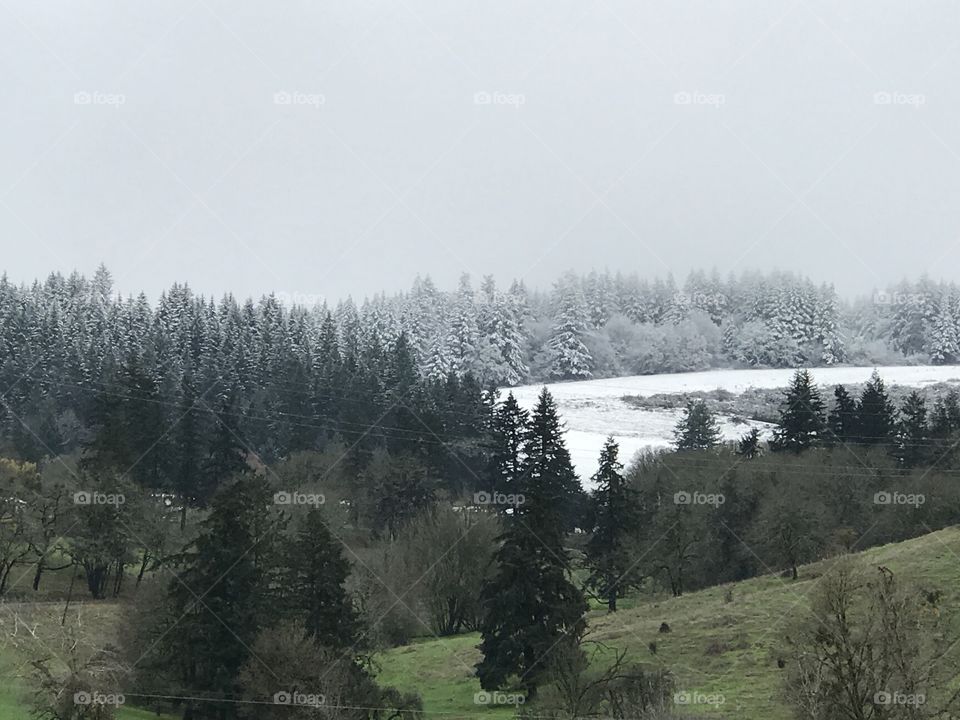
[143, 566]
[37, 574]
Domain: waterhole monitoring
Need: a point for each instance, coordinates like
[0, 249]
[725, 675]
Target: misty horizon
[346, 148]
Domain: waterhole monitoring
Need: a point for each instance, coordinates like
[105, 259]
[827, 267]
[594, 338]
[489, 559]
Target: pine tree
[801, 423]
[613, 566]
[221, 598]
[876, 415]
[568, 357]
[749, 445]
[509, 431]
[316, 571]
[530, 605]
[944, 345]
[439, 362]
[946, 415]
[842, 421]
[912, 431]
[697, 429]
[464, 331]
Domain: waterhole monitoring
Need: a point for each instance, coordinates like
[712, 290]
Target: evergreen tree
[568, 357]
[749, 445]
[946, 415]
[912, 431]
[697, 429]
[530, 605]
[509, 430]
[842, 421]
[464, 331]
[613, 566]
[801, 423]
[876, 415]
[222, 598]
[316, 573]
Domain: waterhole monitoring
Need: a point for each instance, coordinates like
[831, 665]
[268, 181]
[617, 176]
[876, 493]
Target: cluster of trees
[602, 324]
[912, 434]
[160, 442]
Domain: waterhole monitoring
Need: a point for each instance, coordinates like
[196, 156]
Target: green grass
[714, 646]
[17, 646]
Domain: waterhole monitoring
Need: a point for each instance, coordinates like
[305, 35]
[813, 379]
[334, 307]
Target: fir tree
[221, 598]
[464, 331]
[697, 429]
[509, 430]
[530, 605]
[801, 423]
[749, 445]
[876, 415]
[315, 577]
[613, 566]
[568, 357]
[946, 415]
[842, 421]
[912, 431]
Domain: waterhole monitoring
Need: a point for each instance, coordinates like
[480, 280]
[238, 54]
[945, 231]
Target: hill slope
[724, 640]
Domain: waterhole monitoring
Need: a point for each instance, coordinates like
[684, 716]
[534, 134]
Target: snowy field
[594, 409]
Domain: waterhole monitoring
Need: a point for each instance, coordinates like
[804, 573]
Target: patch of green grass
[714, 646]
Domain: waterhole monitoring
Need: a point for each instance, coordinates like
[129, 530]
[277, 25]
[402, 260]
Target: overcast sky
[332, 147]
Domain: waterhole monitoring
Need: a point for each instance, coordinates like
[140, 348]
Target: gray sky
[514, 137]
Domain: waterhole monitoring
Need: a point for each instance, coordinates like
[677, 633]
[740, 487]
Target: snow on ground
[594, 409]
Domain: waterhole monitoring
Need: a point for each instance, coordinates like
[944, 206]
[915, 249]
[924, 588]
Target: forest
[272, 497]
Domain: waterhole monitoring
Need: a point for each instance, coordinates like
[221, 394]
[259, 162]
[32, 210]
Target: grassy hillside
[723, 640]
[30, 630]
